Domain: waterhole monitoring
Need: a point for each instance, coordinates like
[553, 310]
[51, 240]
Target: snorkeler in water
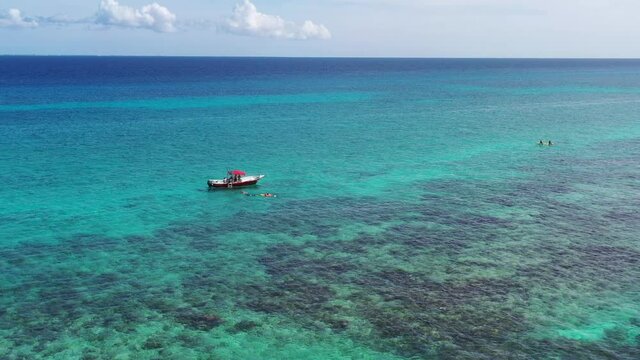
[261, 195]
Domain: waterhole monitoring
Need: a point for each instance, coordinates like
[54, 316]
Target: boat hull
[232, 185]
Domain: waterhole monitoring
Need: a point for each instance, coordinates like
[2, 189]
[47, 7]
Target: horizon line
[324, 57]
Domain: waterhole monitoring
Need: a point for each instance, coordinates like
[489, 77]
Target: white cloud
[153, 16]
[247, 20]
[14, 19]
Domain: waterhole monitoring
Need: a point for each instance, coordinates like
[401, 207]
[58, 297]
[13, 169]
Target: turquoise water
[415, 215]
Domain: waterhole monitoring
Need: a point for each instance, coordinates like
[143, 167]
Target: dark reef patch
[199, 321]
[410, 314]
[55, 287]
[598, 267]
[153, 343]
[291, 296]
[243, 326]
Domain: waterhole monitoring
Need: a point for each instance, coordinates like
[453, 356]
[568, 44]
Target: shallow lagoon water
[416, 217]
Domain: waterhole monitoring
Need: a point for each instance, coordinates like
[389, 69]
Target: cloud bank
[247, 20]
[153, 16]
[13, 19]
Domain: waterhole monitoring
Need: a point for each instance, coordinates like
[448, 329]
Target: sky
[358, 28]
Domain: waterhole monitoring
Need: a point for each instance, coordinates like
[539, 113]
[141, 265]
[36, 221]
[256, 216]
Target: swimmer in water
[261, 195]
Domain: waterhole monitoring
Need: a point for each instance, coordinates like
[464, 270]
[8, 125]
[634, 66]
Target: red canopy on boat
[237, 172]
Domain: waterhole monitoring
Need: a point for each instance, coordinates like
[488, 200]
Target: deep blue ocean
[416, 215]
